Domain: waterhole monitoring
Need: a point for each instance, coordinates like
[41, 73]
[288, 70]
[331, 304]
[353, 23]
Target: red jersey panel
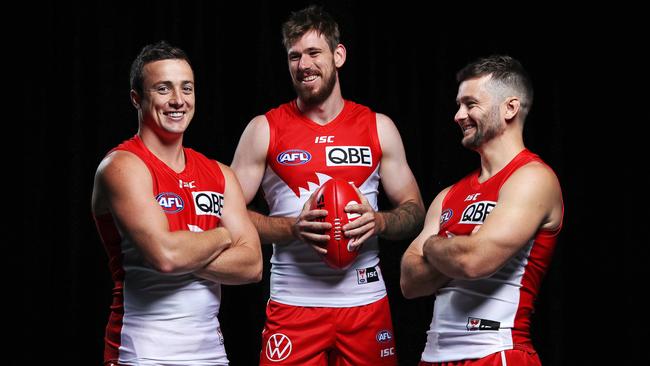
[347, 147]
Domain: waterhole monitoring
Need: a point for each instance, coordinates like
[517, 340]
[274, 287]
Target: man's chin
[311, 97]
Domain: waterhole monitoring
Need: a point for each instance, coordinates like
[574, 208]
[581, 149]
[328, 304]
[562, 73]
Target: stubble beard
[486, 131]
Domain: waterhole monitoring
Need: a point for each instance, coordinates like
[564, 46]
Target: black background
[72, 105]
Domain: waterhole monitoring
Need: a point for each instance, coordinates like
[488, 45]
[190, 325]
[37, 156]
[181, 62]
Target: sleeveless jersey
[472, 319]
[158, 318]
[302, 155]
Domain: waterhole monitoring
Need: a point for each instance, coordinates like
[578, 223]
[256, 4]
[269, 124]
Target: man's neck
[325, 112]
[168, 149]
[497, 153]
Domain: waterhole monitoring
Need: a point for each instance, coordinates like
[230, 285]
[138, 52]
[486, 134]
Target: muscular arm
[418, 277]
[242, 261]
[248, 164]
[528, 201]
[123, 187]
[405, 220]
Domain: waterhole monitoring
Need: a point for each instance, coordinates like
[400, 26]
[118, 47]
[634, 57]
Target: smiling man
[318, 315]
[488, 239]
[174, 225]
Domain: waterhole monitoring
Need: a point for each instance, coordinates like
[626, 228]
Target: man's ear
[512, 106]
[339, 55]
[135, 99]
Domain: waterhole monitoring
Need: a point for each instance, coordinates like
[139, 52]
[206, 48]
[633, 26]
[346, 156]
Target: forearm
[237, 265]
[402, 222]
[187, 251]
[452, 256]
[273, 229]
[419, 278]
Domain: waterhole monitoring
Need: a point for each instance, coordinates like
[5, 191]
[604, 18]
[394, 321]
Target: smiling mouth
[467, 128]
[174, 114]
[308, 78]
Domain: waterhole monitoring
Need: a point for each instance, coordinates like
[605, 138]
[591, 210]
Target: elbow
[408, 283]
[254, 272]
[166, 266]
[408, 291]
[168, 263]
[257, 277]
[473, 270]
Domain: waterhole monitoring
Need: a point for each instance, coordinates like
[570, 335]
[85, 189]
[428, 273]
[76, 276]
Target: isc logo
[367, 275]
[293, 157]
[348, 156]
[387, 352]
[477, 212]
[170, 202]
[324, 139]
[208, 203]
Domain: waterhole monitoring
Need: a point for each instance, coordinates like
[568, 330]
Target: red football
[333, 196]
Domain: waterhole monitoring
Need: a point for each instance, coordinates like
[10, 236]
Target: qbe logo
[348, 156]
[477, 212]
[293, 157]
[170, 202]
[208, 203]
[278, 347]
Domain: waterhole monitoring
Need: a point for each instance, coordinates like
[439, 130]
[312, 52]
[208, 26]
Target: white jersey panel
[298, 274]
[472, 319]
[168, 317]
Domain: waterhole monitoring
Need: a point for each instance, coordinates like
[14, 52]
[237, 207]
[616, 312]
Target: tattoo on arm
[404, 221]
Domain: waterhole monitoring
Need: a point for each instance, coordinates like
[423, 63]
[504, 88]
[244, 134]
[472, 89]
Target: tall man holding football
[319, 315]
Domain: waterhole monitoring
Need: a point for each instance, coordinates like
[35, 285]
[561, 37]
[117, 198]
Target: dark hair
[506, 71]
[150, 53]
[311, 18]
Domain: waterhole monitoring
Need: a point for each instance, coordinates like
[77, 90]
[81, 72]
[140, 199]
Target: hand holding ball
[333, 196]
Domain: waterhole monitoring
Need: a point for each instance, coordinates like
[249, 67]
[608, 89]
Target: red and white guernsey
[166, 319]
[302, 155]
[472, 319]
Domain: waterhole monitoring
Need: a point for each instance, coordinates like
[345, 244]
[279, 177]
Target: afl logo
[278, 347]
[294, 157]
[446, 215]
[170, 202]
[384, 336]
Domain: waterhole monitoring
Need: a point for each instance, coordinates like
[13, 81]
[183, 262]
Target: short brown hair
[308, 19]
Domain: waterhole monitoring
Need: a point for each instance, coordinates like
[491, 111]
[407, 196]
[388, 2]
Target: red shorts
[318, 336]
[520, 355]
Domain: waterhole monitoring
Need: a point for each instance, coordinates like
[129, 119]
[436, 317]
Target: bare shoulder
[259, 125]
[254, 140]
[117, 172]
[389, 136]
[538, 173]
[536, 186]
[226, 170]
[120, 163]
[384, 122]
